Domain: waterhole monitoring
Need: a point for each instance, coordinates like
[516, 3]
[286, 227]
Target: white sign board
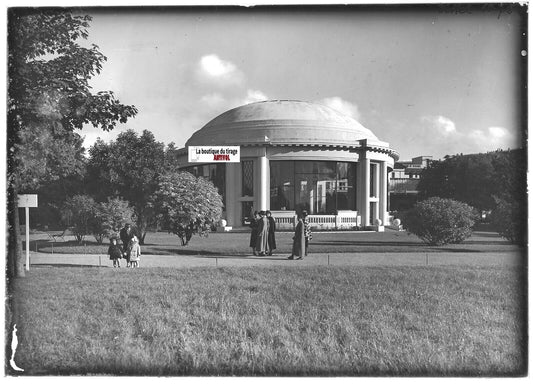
[215, 154]
[29, 201]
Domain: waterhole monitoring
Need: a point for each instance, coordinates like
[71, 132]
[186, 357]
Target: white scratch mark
[14, 344]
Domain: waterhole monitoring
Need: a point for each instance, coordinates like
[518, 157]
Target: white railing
[287, 220]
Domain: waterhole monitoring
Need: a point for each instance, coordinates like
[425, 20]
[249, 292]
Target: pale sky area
[427, 82]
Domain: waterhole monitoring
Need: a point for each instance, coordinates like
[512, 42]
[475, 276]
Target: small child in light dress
[115, 253]
[134, 252]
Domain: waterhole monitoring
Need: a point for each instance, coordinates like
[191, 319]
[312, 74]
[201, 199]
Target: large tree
[494, 182]
[48, 98]
[476, 179]
[129, 167]
[467, 178]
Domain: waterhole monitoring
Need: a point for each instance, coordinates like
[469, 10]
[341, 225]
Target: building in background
[297, 156]
[404, 180]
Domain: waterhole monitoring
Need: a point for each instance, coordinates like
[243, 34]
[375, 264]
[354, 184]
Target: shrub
[77, 213]
[440, 221]
[188, 204]
[510, 220]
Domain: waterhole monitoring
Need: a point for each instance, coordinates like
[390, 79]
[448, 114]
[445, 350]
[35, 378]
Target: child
[114, 253]
[134, 252]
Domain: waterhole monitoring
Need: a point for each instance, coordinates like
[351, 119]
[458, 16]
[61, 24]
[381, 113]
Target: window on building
[247, 178]
[320, 187]
[373, 179]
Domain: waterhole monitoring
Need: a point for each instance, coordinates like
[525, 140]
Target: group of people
[263, 235]
[130, 250]
[262, 240]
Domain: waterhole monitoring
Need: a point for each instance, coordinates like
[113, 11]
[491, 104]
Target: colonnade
[371, 201]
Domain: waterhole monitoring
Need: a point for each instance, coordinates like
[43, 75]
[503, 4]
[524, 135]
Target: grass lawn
[236, 243]
[286, 321]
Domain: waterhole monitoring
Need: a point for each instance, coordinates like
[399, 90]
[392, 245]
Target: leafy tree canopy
[188, 204]
[129, 167]
[48, 98]
[109, 217]
[476, 179]
[49, 93]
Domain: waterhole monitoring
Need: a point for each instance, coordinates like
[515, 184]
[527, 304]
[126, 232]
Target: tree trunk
[141, 226]
[141, 239]
[15, 259]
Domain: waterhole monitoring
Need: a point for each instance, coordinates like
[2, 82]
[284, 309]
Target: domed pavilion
[295, 156]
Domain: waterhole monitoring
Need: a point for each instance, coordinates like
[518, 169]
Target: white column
[383, 213]
[231, 194]
[264, 181]
[365, 191]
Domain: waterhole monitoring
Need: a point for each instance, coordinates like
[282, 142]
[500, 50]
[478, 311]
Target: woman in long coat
[301, 238]
[253, 234]
[262, 234]
[271, 232]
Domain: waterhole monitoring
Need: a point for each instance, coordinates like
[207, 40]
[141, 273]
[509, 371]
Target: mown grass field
[220, 244]
[401, 321]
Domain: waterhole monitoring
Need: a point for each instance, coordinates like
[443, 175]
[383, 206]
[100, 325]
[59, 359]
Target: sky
[429, 81]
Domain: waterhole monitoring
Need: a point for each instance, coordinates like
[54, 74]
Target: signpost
[27, 202]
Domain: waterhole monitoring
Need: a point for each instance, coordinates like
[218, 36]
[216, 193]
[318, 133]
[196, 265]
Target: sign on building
[222, 154]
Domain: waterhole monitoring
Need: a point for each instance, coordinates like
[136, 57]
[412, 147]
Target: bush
[510, 220]
[78, 213]
[440, 221]
[188, 204]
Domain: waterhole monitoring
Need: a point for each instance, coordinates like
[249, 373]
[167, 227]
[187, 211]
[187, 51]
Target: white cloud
[498, 132]
[440, 136]
[441, 124]
[215, 70]
[254, 95]
[493, 138]
[216, 67]
[342, 106]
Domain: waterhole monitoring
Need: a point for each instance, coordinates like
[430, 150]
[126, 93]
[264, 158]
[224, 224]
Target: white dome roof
[282, 122]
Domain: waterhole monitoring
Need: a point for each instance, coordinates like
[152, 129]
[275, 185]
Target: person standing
[126, 234]
[134, 252]
[253, 235]
[114, 253]
[302, 235]
[271, 232]
[262, 234]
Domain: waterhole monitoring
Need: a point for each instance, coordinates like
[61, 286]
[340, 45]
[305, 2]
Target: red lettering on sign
[221, 157]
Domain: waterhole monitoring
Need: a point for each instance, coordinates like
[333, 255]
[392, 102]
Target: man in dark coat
[126, 234]
[271, 232]
[253, 235]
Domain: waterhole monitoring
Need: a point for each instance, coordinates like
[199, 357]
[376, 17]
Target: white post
[27, 201]
[365, 178]
[383, 213]
[27, 238]
[264, 192]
